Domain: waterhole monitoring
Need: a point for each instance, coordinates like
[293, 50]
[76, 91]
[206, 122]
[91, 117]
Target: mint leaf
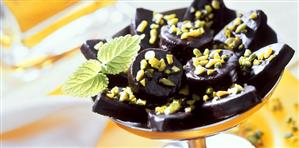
[86, 81]
[117, 55]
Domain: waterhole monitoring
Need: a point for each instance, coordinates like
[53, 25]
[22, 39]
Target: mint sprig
[114, 57]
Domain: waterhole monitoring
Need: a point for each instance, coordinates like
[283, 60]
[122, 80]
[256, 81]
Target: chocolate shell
[119, 110]
[154, 91]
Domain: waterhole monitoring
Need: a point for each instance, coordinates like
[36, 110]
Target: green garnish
[114, 57]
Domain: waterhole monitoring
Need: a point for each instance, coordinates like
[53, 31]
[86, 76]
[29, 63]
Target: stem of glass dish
[197, 143]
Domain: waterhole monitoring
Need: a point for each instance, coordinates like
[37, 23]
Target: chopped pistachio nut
[175, 69]
[154, 62]
[203, 62]
[199, 23]
[208, 8]
[241, 28]
[197, 52]
[169, 58]
[140, 75]
[188, 109]
[196, 32]
[206, 51]
[210, 71]
[198, 14]
[141, 27]
[235, 89]
[143, 64]
[162, 65]
[205, 57]
[256, 62]
[143, 82]
[205, 98]
[221, 93]
[115, 90]
[124, 96]
[149, 55]
[253, 15]
[224, 57]
[199, 70]
[173, 21]
[158, 18]
[218, 65]
[166, 82]
[237, 21]
[261, 56]
[209, 90]
[211, 16]
[216, 55]
[268, 53]
[141, 102]
[153, 36]
[184, 35]
[211, 63]
[167, 71]
[184, 90]
[170, 16]
[160, 109]
[247, 53]
[173, 29]
[98, 45]
[192, 10]
[110, 95]
[154, 26]
[216, 4]
[271, 57]
[173, 107]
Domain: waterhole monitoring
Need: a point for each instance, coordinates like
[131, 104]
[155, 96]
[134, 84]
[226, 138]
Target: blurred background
[39, 43]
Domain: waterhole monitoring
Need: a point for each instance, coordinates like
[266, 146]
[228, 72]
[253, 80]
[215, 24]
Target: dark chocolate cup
[119, 110]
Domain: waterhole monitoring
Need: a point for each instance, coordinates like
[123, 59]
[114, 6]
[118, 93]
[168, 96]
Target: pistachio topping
[153, 36]
[187, 29]
[143, 82]
[162, 65]
[158, 18]
[166, 82]
[253, 15]
[149, 54]
[216, 4]
[143, 64]
[199, 70]
[208, 9]
[154, 62]
[175, 69]
[241, 28]
[140, 75]
[154, 26]
[205, 98]
[221, 93]
[268, 53]
[141, 27]
[198, 14]
[174, 106]
[233, 90]
[169, 58]
[210, 71]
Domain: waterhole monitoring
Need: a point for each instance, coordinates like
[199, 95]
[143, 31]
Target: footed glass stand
[196, 137]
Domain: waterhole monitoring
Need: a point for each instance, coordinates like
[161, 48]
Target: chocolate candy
[213, 13]
[262, 65]
[121, 103]
[155, 75]
[211, 68]
[88, 48]
[239, 34]
[182, 38]
[229, 104]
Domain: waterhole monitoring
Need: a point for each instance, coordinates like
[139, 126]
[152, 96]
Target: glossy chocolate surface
[154, 91]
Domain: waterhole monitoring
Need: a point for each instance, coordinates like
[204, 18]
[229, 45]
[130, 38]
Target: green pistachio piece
[206, 52]
[139, 75]
[153, 36]
[160, 109]
[184, 35]
[141, 27]
[197, 52]
[253, 15]
[143, 82]
[208, 8]
[173, 21]
[166, 82]
[143, 64]
[154, 62]
[241, 28]
[162, 65]
[209, 90]
[167, 71]
[175, 69]
[271, 58]
[154, 26]
[205, 98]
[225, 57]
[169, 58]
[216, 4]
[110, 95]
[237, 21]
[268, 53]
[196, 32]
[149, 55]
[198, 14]
[199, 23]
[124, 96]
[141, 102]
[210, 71]
[174, 106]
[221, 93]
[256, 62]
[115, 90]
[199, 70]
[218, 65]
[98, 45]
[247, 53]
